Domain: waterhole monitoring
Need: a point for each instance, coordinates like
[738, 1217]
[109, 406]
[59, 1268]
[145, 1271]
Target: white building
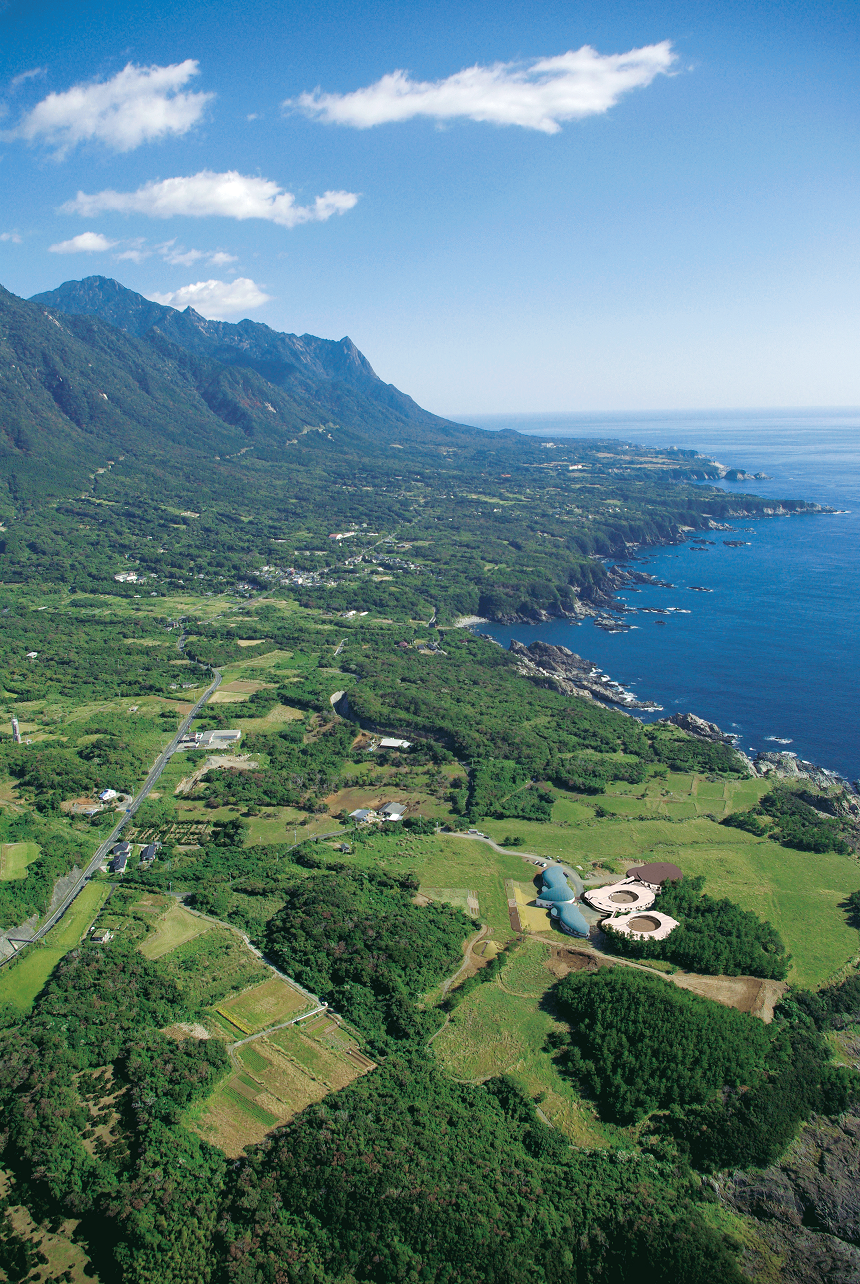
[219, 739]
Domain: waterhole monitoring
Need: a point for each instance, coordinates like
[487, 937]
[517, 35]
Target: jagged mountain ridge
[288, 360]
[77, 390]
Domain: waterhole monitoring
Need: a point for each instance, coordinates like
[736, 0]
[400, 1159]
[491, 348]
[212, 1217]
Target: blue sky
[668, 221]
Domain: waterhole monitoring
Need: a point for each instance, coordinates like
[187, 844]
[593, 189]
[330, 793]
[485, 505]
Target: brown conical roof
[659, 872]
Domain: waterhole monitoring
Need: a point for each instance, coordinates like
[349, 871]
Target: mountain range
[93, 370]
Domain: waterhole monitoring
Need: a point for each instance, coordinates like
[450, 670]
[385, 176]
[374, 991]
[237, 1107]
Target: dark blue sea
[772, 652]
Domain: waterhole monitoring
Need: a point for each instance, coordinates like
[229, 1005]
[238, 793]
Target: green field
[800, 893]
[271, 1001]
[14, 859]
[495, 1032]
[173, 929]
[22, 981]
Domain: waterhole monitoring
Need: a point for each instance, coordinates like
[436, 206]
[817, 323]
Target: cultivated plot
[264, 1005]
[275, 1077]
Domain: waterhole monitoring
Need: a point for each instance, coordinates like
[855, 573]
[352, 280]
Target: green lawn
[14, 859]
[798, 892]
[23, 980]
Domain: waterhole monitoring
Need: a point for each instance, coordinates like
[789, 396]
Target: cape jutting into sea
[771, 652]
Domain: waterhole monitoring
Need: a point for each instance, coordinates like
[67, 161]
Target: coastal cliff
[569, 673]
[806, 1208]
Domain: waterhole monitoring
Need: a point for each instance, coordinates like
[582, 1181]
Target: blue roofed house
[557, 896]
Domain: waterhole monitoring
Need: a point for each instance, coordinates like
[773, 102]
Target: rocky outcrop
[807, 1207]
[785, 765]
[565, 671]
[698, 727]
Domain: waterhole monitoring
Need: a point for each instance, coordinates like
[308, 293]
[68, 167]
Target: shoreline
[612, 616]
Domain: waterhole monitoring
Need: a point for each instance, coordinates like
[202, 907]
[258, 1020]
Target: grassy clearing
[66, 1258]
[800, 893]
[22, 981]
[214, 966]
[496, 1032]
[78, 917]
[14, 859]
[172, 929]
[266, 1004]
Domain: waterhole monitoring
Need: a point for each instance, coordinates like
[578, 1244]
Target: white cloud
[537, 95]
[138, 105]
[216, 299]
[14, 237]
[86, 243]
[177, 255]
[24, 76]
[229, 195]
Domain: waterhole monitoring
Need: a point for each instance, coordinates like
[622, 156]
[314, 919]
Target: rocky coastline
[567, 672]
[805, 1208]
[599, 603]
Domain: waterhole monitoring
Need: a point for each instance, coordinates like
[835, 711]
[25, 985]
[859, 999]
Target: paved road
[529, 856]
[103, 849]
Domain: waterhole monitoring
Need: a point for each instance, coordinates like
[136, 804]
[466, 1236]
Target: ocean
[771, 653]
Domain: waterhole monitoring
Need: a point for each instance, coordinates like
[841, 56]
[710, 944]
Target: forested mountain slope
[290, 361]
[231, 453]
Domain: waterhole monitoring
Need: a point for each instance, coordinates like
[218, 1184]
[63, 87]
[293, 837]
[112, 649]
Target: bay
[771, 653]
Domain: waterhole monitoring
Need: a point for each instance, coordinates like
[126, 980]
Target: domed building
[557, 896]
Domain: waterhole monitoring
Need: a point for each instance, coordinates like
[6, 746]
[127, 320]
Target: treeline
[714, 936]
[357, 940]
[790, 820]
[59, 851]
[729, 1091]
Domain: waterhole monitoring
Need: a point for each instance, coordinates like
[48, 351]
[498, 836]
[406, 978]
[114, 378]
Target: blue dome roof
[570, 918]
[555, 886]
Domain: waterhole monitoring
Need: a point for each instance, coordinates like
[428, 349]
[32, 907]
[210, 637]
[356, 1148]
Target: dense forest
[713, 936]
[640, 1044]
[358, 941]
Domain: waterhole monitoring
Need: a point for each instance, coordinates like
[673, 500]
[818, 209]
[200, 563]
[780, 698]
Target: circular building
[621, 898]
[656, 874]
[652, 926]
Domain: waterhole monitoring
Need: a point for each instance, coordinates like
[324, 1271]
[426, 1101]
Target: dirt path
[467, 959]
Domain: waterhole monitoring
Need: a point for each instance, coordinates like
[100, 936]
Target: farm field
[14, 859]
[174, 928]
[22, 980]
[500, 1028]
[274, 1078]
[265, 1004]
